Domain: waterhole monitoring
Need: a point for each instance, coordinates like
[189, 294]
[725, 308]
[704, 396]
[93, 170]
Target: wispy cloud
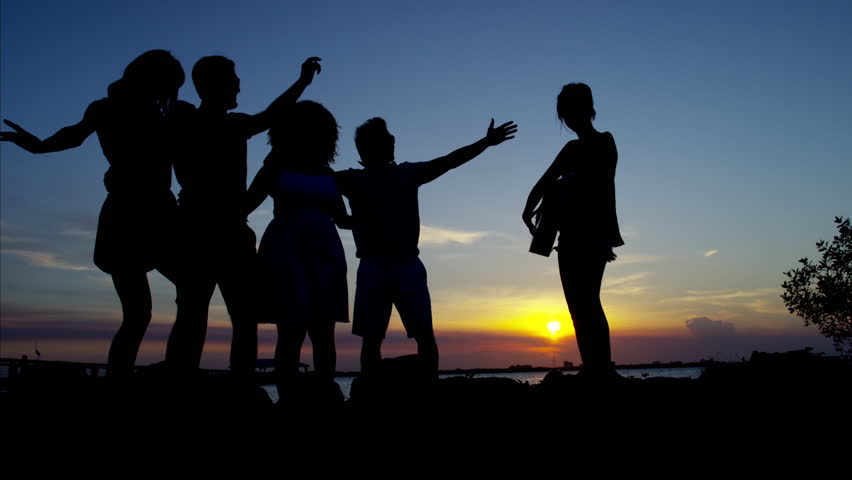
[626, 285]
[103, 278]
[722, 297]
[14, 240]
[44, 259]
[442, 236]
[710, 253]
[633, 259]
[767, 305]
[629, 232]
[78, 232]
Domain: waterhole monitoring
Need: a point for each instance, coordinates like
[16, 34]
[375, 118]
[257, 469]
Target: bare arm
[494, 136]
[341, 217]
[68, 137]
[547, 179]
[263, 120]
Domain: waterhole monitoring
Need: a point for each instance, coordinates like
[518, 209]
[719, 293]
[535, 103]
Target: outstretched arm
[494, 136]
[263, 120]
[68, 137]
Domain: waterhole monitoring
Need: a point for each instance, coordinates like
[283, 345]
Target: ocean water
[532, 378]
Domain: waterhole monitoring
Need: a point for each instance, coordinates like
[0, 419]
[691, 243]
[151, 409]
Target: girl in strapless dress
[301, 254]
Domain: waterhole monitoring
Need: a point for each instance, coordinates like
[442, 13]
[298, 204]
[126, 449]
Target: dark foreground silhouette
[770, 392]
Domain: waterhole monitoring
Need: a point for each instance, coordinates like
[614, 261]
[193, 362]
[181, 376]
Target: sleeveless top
[585, 194]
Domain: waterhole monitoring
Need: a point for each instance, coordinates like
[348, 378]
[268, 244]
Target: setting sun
[554, 326]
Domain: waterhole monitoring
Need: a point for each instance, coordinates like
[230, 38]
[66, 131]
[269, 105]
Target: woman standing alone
[579, 195]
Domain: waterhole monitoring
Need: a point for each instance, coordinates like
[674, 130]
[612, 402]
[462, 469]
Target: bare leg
[135, 296]
[290, 339]
[325, 354]
[244, 345]
[427, 350]
[371, 354]
[581, 282]
[186, 341]
[236, 290]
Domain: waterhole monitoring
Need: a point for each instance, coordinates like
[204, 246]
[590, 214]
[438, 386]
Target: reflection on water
[531, 377]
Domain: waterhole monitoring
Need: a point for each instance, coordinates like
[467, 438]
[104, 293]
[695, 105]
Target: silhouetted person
[135, 125]
[301, 251]
[578, 192]
[386, 227]
[219, 246]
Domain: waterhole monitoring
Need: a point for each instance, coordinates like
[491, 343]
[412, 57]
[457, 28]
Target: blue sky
[732, 121]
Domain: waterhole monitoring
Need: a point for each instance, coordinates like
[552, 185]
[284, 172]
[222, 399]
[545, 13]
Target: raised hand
[309, 68]
[496, 136]
[21, 138]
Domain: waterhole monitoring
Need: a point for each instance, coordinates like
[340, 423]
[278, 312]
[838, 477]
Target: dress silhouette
[136, 127]
[302, 250]
[300, 253]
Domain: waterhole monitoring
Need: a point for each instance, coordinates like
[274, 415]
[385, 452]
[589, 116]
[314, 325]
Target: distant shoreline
[531, 369]
[101, 367]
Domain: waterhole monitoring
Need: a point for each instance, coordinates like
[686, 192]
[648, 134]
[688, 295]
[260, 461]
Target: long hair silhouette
[134, 125]
[301, 254]
[307, 136]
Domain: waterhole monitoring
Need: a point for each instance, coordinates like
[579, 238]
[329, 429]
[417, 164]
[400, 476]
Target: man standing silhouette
[386, 228]
[218, 244]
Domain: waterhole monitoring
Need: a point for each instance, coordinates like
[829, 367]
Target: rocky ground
[771, 394]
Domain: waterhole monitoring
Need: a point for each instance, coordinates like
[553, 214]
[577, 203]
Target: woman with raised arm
[300, 251]
[577, 193]
[136, 125]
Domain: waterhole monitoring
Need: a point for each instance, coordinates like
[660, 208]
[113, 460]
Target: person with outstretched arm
[136, 124]
[386, 227]
[218, 245]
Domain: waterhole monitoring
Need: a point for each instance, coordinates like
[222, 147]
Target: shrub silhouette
[821, 292]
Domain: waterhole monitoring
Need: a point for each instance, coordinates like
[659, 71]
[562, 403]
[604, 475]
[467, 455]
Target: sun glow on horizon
[554, 326]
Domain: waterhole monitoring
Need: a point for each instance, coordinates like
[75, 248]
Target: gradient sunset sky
[732, 121]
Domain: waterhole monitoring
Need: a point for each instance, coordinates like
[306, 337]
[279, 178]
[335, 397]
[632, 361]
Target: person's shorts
[382, 283]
